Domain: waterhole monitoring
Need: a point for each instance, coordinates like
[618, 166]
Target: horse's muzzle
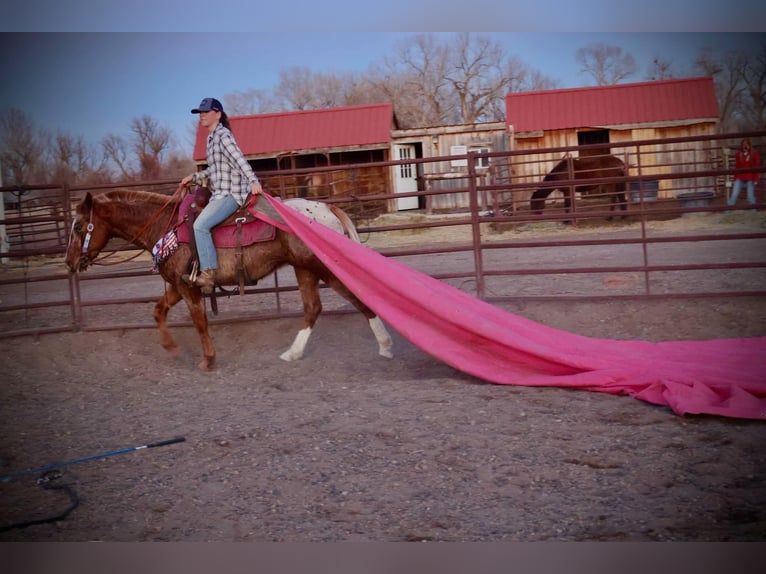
[80, 265]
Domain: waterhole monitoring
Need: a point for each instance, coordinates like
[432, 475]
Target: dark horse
[583, 168]
[142, 218]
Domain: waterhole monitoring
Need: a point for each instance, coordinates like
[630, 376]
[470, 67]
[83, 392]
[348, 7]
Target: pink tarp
[725, 377]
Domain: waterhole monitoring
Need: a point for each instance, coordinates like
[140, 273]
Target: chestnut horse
[142, 218]
[583, 168]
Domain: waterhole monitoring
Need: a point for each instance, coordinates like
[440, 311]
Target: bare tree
[727, 71]
[116, 150]
[482, 74]
[523, 79]
[21, 149]
[177, 165]
[415, 79]
[479, 77]
[660, 69]
[462, 81]
[607, 64]
[73, 160]
[150, 141]
[754, 96]
[408, 103]
[250, 102]
[302, 89]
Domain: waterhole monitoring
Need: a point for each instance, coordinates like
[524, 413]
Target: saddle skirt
[254, 230]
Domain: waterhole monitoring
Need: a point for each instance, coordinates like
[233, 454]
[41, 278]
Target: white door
[405, 176]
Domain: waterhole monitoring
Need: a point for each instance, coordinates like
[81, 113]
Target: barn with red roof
[610, 116]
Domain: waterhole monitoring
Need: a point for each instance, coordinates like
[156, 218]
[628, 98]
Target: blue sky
[95, 83]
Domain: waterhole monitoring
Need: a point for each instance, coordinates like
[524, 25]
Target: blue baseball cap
[208, 105]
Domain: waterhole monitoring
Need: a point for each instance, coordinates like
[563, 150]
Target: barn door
[405, 176]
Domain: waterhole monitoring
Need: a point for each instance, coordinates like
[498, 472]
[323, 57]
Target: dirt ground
[345, 445]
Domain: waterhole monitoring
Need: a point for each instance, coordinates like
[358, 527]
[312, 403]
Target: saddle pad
[226, 236]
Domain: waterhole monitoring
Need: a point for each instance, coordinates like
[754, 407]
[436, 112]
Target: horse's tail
[348, 226]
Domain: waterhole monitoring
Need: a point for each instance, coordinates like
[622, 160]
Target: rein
[157, 213]
[152, 219]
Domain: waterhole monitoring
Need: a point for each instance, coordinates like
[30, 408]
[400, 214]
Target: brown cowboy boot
[206, 281]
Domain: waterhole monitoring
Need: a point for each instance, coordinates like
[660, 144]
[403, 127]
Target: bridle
[84, 256]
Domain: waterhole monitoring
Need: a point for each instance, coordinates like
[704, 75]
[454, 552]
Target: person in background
[746, 157]
[230, 180]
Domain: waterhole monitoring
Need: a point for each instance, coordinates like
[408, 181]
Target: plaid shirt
[227, 172]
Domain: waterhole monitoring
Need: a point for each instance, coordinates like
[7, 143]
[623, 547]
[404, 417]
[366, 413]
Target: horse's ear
[87, 203]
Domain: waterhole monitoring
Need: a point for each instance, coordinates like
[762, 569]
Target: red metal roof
[272, 134]
[622, 104]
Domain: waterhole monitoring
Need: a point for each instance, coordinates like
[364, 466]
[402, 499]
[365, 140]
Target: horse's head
[88, 236]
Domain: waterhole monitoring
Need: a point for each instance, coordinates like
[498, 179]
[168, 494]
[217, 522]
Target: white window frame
[481, 162]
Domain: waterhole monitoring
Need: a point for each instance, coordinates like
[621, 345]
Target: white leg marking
[295, 352]
[384, 339]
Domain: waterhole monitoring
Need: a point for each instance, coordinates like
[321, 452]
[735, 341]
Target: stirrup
[206, 281]
[191, 278]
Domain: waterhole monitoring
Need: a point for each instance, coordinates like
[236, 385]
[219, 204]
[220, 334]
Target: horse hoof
[386, 353]
[289, 356]
[173, 351]
[205, 365]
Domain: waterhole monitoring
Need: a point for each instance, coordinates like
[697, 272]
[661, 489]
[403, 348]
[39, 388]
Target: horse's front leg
[161, 310]
[618, 200]
[569, 200]
[308, 284]
[622, 198]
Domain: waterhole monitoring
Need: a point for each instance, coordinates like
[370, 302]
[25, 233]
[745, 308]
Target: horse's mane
[135, 196]
[135, 204]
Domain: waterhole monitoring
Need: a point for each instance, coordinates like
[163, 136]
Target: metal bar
[693, 170]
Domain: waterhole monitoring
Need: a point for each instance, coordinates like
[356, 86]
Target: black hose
[46, 481]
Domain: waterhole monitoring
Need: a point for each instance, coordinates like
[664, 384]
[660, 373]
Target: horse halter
[86, 240]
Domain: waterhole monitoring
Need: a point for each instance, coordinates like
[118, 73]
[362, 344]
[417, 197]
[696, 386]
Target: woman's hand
[183, 187]
[256, 188]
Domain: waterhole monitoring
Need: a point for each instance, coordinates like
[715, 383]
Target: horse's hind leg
[385, 343]
[308, 284]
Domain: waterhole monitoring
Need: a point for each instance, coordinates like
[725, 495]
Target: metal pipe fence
[492, 245]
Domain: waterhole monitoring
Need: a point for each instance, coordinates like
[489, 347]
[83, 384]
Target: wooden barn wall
[495, 141]
[443, 175]
[671, 158]
[651, 160]
[336, 185]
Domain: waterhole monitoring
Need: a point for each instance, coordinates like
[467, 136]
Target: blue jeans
[213, 214]
[738, 187]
